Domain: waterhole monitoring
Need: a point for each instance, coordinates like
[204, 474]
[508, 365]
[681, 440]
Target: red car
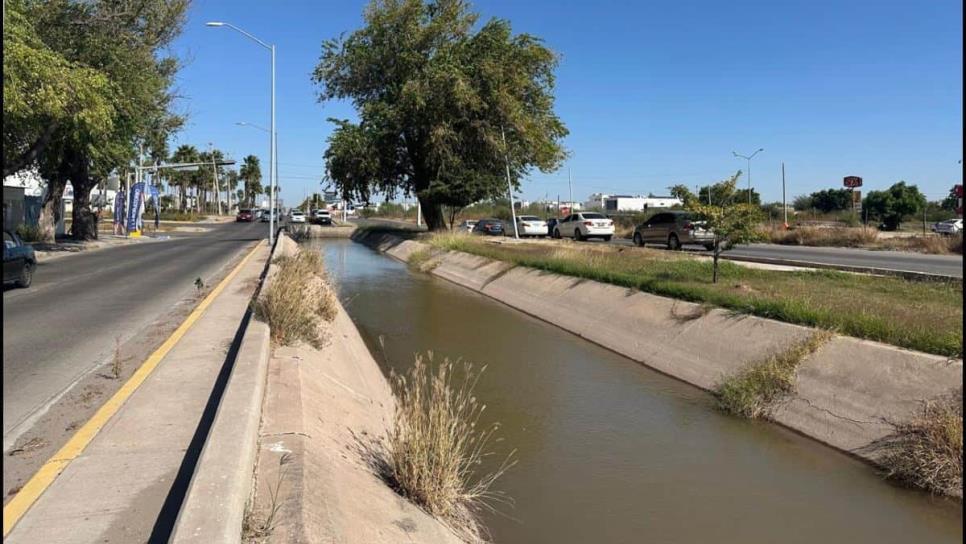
[244, 215]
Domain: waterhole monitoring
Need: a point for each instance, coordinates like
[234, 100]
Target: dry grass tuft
[298, 300]
[927, 451]
[752, 392]
[436, 446]
[825, 237]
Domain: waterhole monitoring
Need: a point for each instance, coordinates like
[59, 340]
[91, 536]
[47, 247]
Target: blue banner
[119, 207]
[134, 209]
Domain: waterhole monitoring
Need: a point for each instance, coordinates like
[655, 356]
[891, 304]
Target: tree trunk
[50, 209]
[84, 222]
[432, 213]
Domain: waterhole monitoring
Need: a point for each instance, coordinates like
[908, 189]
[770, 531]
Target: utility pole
[749, 168]
[570, 182]
[784, 205]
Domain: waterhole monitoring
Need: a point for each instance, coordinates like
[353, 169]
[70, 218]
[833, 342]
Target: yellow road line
[42, 479]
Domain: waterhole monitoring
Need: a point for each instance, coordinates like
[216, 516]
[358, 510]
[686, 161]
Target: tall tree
[251, 174]
[682, 192]
[123, 41]
[444, 109]
[185, 179]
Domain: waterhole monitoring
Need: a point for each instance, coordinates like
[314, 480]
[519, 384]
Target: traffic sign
[852, 181]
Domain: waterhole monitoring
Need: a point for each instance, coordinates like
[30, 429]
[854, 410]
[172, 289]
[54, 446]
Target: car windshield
[244, 211]
[593, 216]
[529, 218]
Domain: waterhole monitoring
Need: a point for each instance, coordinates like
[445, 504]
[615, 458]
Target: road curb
[221, 487]
[214, 508]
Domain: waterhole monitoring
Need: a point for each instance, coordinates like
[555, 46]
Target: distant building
[628, 203]
[22, 193]
[596, 200]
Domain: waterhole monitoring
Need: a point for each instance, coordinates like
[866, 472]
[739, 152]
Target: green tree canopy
[116, 96]
[435, 101]
[894, 203]
[682, 192]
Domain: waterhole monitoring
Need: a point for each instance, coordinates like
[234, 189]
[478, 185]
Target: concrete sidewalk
[127, 485]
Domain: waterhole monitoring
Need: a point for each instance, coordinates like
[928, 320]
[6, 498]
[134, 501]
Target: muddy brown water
[610, 451]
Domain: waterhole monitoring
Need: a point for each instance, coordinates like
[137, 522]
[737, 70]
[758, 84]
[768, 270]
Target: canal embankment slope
[848, 394]
[324, 412]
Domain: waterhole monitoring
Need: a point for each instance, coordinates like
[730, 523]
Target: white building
[628, 203]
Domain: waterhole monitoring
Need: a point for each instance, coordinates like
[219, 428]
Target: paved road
[65, 325]
[946, 265]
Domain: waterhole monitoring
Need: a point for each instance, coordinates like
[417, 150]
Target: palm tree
[184, 179]
[251, 174]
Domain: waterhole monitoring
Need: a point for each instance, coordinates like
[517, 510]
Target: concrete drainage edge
[214, 507]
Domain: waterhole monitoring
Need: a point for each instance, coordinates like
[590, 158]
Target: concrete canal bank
[847, 393]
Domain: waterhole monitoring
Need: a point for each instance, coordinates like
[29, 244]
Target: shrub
[927, 451]
[30, 233]
[436, 445]
[752, 392]
[298, 300]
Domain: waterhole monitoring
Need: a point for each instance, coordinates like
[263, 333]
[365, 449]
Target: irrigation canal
[610, 451]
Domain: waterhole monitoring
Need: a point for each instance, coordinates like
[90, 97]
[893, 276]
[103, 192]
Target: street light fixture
[748, 158]
[273, 167]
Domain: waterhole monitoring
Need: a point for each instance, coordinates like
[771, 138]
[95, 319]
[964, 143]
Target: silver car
[673, 229]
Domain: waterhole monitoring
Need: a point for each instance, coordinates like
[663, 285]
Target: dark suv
[492, 227]
[19, 261]
[674, 229]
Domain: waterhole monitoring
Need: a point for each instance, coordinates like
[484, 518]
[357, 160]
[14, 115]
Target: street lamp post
[273, 165]
[748, 158]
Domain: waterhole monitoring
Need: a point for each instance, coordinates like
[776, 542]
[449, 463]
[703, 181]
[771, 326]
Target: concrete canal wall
[848, 392]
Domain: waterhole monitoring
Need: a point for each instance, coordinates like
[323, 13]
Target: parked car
[949, 226]
[467, 226]
[19, 261]
[674, 229]
[296, 216]
[266, 216]
[322, 217]
[493, 227]
[245, 216]
[528, 225]
[584, 225]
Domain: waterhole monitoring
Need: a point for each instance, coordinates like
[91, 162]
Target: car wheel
[607, 238]
[27, 275]
[709, 247]
[673, 243]
[578, 236]
[638, 241]
[556, 234]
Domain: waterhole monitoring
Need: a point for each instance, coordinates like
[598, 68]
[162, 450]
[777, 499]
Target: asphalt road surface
[945, 265]
[66, 324]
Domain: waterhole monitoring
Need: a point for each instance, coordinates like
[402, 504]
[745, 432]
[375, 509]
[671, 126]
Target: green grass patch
[919, 315]
[754, 390]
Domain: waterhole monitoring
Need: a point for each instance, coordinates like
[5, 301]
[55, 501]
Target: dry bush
[927, 451]
[817, 236]
[298, 300]
[436, 446]
[752, 392]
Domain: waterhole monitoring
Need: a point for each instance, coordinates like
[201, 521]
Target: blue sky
[654, 93]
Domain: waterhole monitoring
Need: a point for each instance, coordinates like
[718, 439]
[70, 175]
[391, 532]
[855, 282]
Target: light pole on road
[748, 158]
[274, 167]
[271, 135]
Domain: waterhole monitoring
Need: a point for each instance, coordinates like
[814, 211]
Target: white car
[950, 226]
[583, 225]
[527, 225]
[467, 225]
[296, 216]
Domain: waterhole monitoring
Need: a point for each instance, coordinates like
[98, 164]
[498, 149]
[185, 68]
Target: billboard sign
[852, 181]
